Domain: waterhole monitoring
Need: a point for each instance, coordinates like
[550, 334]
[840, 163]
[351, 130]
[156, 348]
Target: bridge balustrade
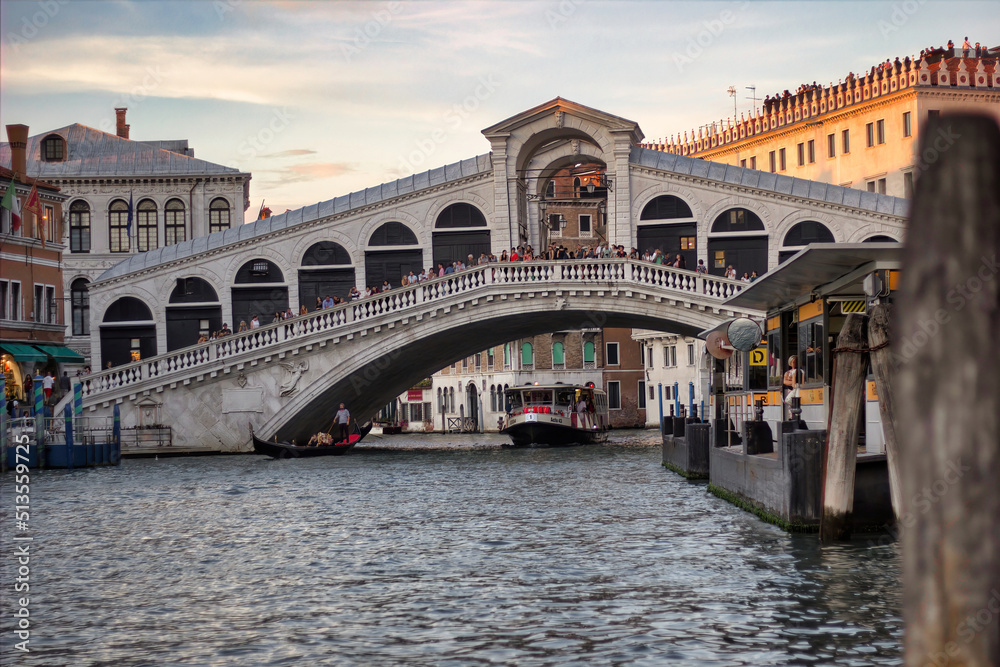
[589, 273]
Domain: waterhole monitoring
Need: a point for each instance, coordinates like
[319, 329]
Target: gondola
[285, 450]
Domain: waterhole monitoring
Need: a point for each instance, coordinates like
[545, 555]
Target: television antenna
[753, 92]
[732, 94]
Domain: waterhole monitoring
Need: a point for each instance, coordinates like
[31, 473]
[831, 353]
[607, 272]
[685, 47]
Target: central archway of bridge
[367, 352]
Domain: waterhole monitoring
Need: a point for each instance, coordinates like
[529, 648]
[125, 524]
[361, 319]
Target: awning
[62, 354]
[23, 352]
[817, 270]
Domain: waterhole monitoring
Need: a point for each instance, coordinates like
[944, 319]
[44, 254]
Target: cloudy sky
[318, 99]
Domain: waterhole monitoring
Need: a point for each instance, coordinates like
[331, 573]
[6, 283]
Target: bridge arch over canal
[287, 377]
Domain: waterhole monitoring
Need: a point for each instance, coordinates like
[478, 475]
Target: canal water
[432, 550]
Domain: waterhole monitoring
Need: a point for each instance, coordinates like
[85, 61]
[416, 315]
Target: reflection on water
[435, 550]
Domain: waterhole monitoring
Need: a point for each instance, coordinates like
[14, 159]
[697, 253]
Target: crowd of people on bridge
[520, 253]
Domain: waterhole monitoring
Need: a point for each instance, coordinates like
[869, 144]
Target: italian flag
[9, 202]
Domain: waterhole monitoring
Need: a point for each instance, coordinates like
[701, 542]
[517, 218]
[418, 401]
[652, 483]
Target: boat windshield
[539, 397]
[514, 400]
[565, 397]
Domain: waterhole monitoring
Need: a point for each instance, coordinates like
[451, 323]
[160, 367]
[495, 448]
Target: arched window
[392, 233]
[806, 232]
[218, 215]
[325, 253]
[174, 226]
[80, 300]
[588, 354]
[801, 235]
[79, 226]
[493, 398]
[745, 253]
[550, 189]
[880, 238]
[666, 207]
[527, 354]
[128, 332]
[118, 226]
[737, 220]
[454, 239]
[451, 399]
[460, 214]
[558, 355]
[128, 309]
[53, 148]
[145, 228]
[576, 186]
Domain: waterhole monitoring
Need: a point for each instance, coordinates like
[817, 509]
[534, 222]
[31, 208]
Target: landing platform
[150, 452]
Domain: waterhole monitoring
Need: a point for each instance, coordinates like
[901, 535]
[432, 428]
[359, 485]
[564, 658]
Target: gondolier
[343, 420]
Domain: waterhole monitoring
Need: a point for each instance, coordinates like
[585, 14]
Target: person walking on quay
[48, 382]
[343, 420]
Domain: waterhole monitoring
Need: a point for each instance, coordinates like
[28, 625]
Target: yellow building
[860, 133]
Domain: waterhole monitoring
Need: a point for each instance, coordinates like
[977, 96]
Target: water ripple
[455, 554]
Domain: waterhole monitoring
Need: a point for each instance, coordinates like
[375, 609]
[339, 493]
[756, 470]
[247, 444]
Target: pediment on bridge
[558, 113]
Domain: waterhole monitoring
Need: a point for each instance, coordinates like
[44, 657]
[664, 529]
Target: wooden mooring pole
[945, 347]
[878, 342]
[842, 440]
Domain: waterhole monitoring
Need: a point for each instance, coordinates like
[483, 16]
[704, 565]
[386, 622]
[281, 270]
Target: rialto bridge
[147, 312]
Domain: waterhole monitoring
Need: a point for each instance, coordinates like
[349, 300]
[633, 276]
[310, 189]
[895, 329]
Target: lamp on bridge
[602, 182]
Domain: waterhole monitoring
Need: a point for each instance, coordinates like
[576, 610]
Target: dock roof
[818, 270]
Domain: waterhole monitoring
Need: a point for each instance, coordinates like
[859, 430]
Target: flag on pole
[128, 222]
[34, 204]
[10, 203]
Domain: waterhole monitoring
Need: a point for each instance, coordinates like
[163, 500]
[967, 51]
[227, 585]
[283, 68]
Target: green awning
[62, 354]
[23, 352]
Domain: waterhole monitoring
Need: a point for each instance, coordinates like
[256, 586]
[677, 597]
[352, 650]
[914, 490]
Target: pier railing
[473, 282]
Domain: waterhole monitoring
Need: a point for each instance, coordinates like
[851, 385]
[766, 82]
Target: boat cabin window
[514, 400]
[565, 397]
[540, 396]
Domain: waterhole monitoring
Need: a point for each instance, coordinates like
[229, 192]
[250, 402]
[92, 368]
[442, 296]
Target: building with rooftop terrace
[171, 196]
[862, 132]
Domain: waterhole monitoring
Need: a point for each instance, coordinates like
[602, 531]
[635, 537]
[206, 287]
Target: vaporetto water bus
[557, 415]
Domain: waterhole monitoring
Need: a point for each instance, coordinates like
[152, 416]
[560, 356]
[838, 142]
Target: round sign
[714, 342]
[744, 334]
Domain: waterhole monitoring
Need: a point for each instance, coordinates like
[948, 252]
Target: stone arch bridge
[287, 378]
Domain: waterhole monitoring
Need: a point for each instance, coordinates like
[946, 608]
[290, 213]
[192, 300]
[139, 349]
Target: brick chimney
[122, 128]
[17, 136]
